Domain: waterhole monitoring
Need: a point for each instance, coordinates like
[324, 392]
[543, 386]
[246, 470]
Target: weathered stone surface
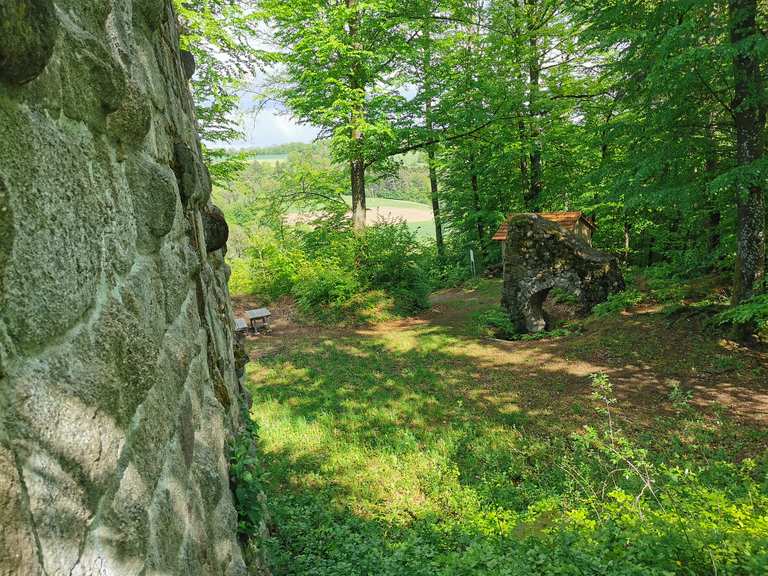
[28, 31]
[192, 174]
[188, 63]
[153, 12]
[541, 255]
[131, 121]
[116, 346]
[215, 228]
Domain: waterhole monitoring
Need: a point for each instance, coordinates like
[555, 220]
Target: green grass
[425, 230]
[388, 203]
[418, 449]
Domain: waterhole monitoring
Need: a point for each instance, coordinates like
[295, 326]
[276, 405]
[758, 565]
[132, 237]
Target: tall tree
[221, 36]
[336, 69]
[749, 115]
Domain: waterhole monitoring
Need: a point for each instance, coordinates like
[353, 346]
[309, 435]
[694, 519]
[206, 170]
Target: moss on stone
[131, 121]
[28, 32]
[6, 233]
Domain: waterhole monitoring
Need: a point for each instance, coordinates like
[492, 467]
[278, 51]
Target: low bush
[618, 302]
[335, 273]
[752, 314]
[495, 323]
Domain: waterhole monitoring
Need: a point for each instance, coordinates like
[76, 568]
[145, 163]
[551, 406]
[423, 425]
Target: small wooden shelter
[576, 222]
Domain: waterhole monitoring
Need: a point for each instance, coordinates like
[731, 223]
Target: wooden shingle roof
[567, 220]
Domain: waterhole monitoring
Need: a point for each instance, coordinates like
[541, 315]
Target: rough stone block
[541, 255]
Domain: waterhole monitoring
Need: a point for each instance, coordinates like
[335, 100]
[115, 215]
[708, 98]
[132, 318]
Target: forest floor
[415, 446]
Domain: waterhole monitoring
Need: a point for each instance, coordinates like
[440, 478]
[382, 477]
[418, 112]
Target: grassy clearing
[413, 447]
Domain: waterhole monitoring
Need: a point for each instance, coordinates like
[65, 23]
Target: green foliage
[560, 296]
[495, 323]
[390, 258]
[618, 302]
[753, 312]
[270, 268]
[246, 471]
[222, 36]
[335, 274]
[324, 284]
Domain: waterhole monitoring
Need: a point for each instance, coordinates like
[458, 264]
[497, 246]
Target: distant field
[417, 216]
[271, 158]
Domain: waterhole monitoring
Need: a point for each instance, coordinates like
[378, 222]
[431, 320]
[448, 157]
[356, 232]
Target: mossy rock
[192, 175]
[28, 32]
[215, 228]
[130, 123]
[152, 13]
[154, 201]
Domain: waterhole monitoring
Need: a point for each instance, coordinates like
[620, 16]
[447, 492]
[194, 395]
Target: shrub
[390, 258]
[336, 273]
[271, 266]
[495, 323]
[752, 313]
[618, 303]
[323, 284]
[560, 296]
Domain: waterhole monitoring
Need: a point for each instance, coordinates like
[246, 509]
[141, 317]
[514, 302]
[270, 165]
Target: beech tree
[337, 69]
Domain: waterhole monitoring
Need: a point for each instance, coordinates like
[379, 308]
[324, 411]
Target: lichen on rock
[541, 255]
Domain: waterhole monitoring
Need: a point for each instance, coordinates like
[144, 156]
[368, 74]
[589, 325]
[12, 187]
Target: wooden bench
[241, 326]
[254, 316]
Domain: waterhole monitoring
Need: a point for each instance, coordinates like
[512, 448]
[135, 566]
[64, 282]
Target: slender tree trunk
[627, 244]
[357, 162]
[433, 186]
[534, 77]
[476, 202]
[524, 152]
[749, 115]
[357, 171]
[436, 203]
[713, 213]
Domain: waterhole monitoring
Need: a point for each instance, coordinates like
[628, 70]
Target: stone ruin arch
[540, 255]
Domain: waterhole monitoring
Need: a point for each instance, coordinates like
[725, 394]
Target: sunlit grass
[416, 448]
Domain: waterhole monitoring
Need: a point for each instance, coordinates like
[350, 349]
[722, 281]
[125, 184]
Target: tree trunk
[534, 76]
[627, 244]
[476, 202]
[524, 177]
[357, 171]
[357, 162]
[436, 204]
[713, 212]
[434, 191]
[749, 116]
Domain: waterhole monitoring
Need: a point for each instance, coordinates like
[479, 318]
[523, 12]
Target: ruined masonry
[540, 255]
[118, 386]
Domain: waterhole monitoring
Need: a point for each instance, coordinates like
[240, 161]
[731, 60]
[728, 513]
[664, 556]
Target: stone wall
[540, 255]
[117, 380]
